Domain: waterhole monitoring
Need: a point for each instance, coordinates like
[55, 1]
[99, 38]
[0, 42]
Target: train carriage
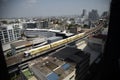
[72, 38]
[37, 50]
[58, 43]
[81, 35]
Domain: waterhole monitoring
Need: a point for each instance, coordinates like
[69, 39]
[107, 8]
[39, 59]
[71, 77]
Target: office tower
[83, 13]
[105, 14]
[93, 15]
[42, 24]
[30, 25]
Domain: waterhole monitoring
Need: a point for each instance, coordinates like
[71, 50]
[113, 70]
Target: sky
[34, 8]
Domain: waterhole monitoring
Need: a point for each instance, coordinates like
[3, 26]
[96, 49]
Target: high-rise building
[42, 24]
[105, 14]
[83, 13]
[84, 16]
[10, 32]
[30, 25]
[93, 15]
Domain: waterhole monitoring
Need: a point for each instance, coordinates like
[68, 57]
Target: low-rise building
[23, 45]
[97, 42]
[38, 32]
[42, 24]
[64, 67]
[19, 46]
[74, 29]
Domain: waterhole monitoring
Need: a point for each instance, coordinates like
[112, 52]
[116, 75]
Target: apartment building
[10, 32]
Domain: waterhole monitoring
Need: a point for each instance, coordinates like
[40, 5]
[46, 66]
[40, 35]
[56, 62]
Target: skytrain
[59, 43]
[52, 45]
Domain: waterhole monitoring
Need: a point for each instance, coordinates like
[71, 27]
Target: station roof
[20, 43]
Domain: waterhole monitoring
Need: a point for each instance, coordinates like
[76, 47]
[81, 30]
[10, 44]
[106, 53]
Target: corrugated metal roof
[65, 66]
[54, 37]
[52, 76]
[20, 43]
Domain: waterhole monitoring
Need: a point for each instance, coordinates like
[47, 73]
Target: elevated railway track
[49, 48]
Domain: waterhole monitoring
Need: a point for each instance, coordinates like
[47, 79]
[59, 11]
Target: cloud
[29, 3]
[32, 1]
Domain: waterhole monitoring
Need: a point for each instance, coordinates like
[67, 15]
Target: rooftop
[100, 36]
[64, 70]
[54, 37]
[6, 47]
[28, 74]
[47, 65]
[38, 29]
[29, 41]
[56, 66]
[21, 43]
[38, 32]
[38, 40]
[65, 53]
[52, 66]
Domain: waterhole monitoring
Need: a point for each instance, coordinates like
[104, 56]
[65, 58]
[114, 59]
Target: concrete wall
[70, 76]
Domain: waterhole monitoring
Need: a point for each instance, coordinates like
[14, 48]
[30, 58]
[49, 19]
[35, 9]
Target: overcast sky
[34, 8]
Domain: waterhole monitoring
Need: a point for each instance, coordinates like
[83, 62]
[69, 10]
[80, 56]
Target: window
[11, 37]
[1, 37]
[6, 40]
[2, 41]
[10, 32]
[5, 35]
[0, 33]
[17, 35]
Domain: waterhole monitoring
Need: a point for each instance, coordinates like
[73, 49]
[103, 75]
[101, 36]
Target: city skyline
[38, 8]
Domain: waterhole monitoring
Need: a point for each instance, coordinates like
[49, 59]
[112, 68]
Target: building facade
[38, 32]
[42, 24]
[10, 32]
[83, 13]
[93, 15]
[30, 25]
